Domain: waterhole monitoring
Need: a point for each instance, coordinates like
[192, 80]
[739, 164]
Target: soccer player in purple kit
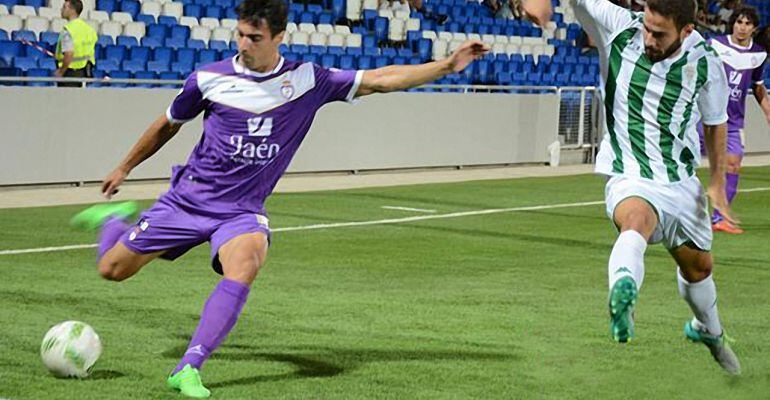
[744, 63]
[257, 109]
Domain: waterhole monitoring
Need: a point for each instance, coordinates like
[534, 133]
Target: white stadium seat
[488, 39]
[396, 30]
[413, 24]
[353, 10]
[439, 49]
[370, 5]
[499, 48]
[401, 14]
[122, 17]
[429, 35]
[48, 12]
[57, 24]
[317, 39]
[188, 21]
[353, 40]
[307, 27]
[23, 11]
[94, 24]
[151, 8]
[97, 15]
[325, 28]
[299, 38]
[446, 36]
[200, 33]
[502, 39]
[134, 29]
[511, 48]
[336, 39]
[342, 29]
[474, 36]
[291, 27]
[173, 9]
[36, 24]
[210, 23]
[385, 13]
[229, 23]
[222, 34]
[111, 28]
[3, 9]
[459, 37]
[10, 23]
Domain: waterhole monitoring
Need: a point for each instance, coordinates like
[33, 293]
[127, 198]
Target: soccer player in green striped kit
[660, 78]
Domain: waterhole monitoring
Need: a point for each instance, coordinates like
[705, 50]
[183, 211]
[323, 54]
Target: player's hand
[112, 182]
[465, 54]
[537, 11]
[718, 197]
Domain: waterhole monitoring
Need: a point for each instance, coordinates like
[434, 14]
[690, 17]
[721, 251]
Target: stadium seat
[39, 73]
[10, 23]
[210, 23]
[24, 63]
[127, 41]
[36, 25]
[24, 35]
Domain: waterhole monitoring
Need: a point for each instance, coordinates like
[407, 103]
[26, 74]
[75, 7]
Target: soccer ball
[70, 349]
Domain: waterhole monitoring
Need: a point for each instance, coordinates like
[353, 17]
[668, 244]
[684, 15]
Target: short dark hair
[744, 11]
[76, 5]
[681, 11]
[273, 11]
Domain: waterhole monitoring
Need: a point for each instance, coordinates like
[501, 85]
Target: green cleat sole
[621, 304]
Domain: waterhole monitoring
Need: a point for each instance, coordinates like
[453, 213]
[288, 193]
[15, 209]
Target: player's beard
[657, 56]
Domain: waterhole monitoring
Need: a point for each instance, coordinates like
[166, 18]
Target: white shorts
[682, 209]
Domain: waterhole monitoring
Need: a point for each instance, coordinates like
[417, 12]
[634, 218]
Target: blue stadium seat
[309, 58]
[204, 3]
[224, 3]
[318, 50]
[328, 61]
[208, 56]
[106, 5]
[297, 7]
[120, 75]
[169, 75]
[4, 35]
[130, 6]
[381, 61]
[299, 48]
[157, 31]
[218, 45]
[196, 44]
[291, 57]
[389, 52]
[159, 66]
[39, 73]
[338, 9]
[335, 50]
[115, 52]
[9, 71]
[133, 66]
[381, 29]
[35, 3]
[146, 18]
[193, 10]
[139, 53]
[183, 69]
[145, 75]
[307, 18]
[104, 40]
[128, 41]
[107, 65]
[366, 62]
[24, 35]
[47, 63]
[354, 51]
[228, 54]
[151, 42]
[186, 56]
[169, 21]
[175, 42]
[314, 8]
[163, 54]
[24, 63]
[214, 12]
[234, 45]
[347, 62]
[230, 13]
[326, 18]
[180, 31]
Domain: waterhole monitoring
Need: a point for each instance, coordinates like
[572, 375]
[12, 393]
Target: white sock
[702, 298]
[627, 258]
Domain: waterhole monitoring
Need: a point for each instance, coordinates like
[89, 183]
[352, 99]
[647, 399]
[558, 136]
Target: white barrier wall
[50, 135]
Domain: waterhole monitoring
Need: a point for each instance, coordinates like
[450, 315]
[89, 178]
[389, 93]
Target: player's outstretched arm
[151, 141]
[760, 93]
[400, 77]
[715, 137]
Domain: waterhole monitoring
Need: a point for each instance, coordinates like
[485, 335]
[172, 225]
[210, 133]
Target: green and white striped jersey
[651, 109]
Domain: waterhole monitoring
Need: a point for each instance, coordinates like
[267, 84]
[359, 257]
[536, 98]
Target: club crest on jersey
[287, 90]
[689, 72]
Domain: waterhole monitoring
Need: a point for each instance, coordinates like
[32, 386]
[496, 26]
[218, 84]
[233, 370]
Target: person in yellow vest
[75, 49]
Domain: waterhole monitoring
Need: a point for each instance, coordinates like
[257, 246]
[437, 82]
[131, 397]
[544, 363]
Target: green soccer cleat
[188, 382]
[93, 217]
[719, 346]
[621, 303]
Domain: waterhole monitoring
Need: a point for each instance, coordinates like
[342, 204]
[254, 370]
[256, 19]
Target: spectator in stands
[75, 49]
[394, 5]
[509, 9]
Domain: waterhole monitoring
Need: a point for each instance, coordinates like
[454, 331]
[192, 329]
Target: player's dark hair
[76, 5]
[744, 11]
[683, 12]
[274, 12]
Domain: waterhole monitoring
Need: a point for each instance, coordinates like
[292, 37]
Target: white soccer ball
[70, 349]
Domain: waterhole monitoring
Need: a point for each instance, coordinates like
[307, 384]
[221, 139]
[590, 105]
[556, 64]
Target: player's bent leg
[120, 263]
[697, 288]
[241, 258]
[636, 221]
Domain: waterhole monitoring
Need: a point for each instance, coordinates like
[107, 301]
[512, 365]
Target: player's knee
[110, 270]
[733, 167]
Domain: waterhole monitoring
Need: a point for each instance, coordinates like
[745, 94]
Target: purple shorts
[167, 227]
[734, 143]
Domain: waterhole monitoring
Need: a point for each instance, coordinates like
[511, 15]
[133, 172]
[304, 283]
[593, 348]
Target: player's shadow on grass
[324, 362]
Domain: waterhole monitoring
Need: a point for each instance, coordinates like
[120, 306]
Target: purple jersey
[253, 125]
[744, 67]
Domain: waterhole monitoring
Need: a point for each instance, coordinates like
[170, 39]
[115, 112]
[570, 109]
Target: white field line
[398, 208]
[368, 223]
